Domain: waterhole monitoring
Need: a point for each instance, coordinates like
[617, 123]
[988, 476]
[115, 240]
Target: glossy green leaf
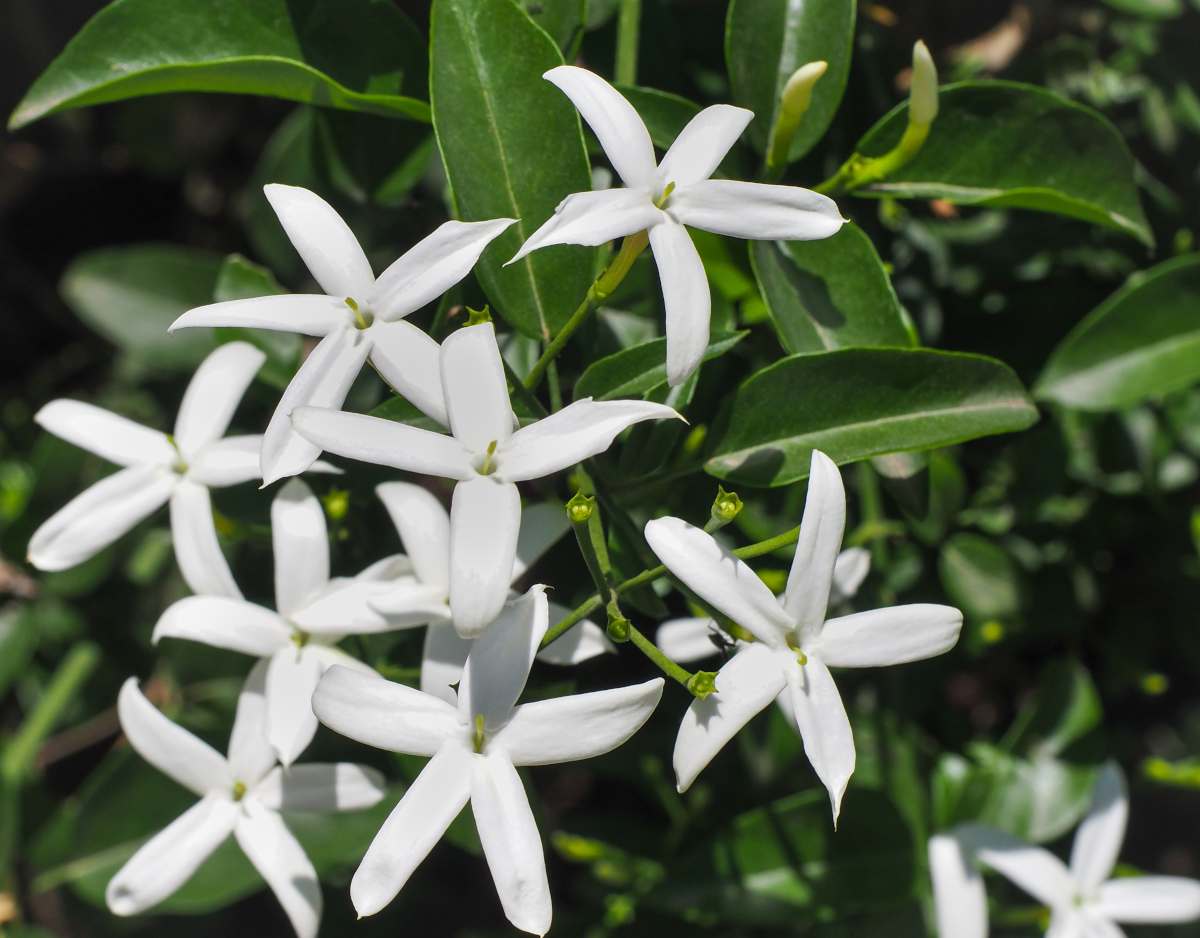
[856, 403]
[240, 279]
[564, 20]
[1065, 710]
[829, 294]
[1142, 342]
[357, 55]
[767, 40]
[1012, 145]
[980, 577]
[663, 113]
[633, 371]
[512, 147]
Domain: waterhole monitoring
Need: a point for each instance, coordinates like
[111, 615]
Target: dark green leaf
[1065, 709]
[633, 371]
[980, 578]
[240, 279]
[564, 20]
[1152, 9]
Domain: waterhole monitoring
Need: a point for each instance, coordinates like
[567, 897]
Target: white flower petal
[1086, 926]
[849, 570]
[282, 862]
[321, 787]
[476, 388]
[323, 380]
[746, 683]
[300, 542]
[292, 677]
[224, 622]
[347, 607]
[250, 754]
[824, 727]
[583, 641]
[230, 461]
[410, 361]
[485, 518]
[499, 663]
[756, 211]
[168, 747]
[213, 395]
[888, 636]
[690, 639]
[1150, 899]
[110, 436]
[197, 550]
[511, 843]
[613, 120]
[686, 299]
[323, 240]
[433, 265]
[409, 602]
[807, 595]
[580, 726]
[168, 859]
[1099, 837]
[442, 661]
[719, 578]
[582, 429]
[418, 822]
[702, 144]
[1035, 870]
[384, 442]
[424, 527]
[542, 526]
[313, 314]
[959, 900]
[384, 714]
[593, 218]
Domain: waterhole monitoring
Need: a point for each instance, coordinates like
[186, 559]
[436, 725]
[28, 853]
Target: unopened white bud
[923, 94]
[797, 93]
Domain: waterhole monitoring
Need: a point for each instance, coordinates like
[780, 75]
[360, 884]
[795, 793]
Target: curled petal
[213, 395]
[110, 436]
[323, 240]
[756, 211]
[686, 299]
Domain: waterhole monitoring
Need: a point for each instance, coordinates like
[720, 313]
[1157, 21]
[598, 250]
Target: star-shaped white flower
[661, 198]
[157, 468]
[1084, 901]
[358, 318]
[241, 794]
[475, 745]
[485, 455]
[795, 644]
[312, 613]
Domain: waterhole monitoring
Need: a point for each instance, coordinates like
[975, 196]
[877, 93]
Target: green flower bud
[992, 632]
[580, 508]
[726, 506]
[702, 684]
[797, 93]
[618, 627]
[923, 93]
[336, 503]
[1155, 684]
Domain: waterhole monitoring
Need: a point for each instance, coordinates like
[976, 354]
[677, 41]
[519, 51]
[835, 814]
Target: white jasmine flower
[796, 645]
[157, 468]
[424, 527]
[485, 455]
[661, 198]
[358, 318]
[1084, 901]
[312, 613]
[475, 744]
[241, 794]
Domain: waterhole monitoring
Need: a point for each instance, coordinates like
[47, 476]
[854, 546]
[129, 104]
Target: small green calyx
[478, 738]
[477, 317]
[618, 628]
[580, 508]
[666, 194]
[239, 791]
[488, 466]
[725, 507]
[702, 684]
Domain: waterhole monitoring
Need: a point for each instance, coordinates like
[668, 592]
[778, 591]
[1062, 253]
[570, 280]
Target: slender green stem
[518, 388]
[655, 654]
[859, 170]
[628, 27]
[556, 400]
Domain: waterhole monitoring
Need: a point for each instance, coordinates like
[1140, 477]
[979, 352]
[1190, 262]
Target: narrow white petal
[110, 436]
[719, 578]
[282, 862]
[686, 299]
[197, 550]
[851, 568]
[321, 787]
[224, 622]
[312, 314]
[383, 714]
[168, 747]
[1150, 899]
[250, 754]
[511, 843]
[301, 546]
[1035, 870]
[410, 361]
[418, 822]
[323, 380]
[691, 639]
[578, 431]
[292, 678]
[323, 240]
[499, 663]
[1087, 926]
[888, 636]
[476, 388]
[213, 395]
[959, 900]
[424, 527]
[613, 120]
[442, 661]
[409, 602]
[98, 516]
[1099, 837]
[756, 211]
[593, 218]
[702, 144]
[542, 525]
[230, 461]
[746, 683]
[824, 727]
[807, 595]
[348, 606]
[168, 859]
[581, 726]
[583, 641]
[485, 518]
[384, 442]
[433, 265]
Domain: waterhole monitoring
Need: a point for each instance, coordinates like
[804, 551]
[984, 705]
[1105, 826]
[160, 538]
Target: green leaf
[633, 371]
[767, 40]
[1063, 712]
[240, 279]
[856, 403]
[564, 20]
[1012, 145]
[1151, 9]
[663, 113]
[512, 147]
[980, 578]
[356, 55]
[829, 294]
[1142, 342]
[131, 294]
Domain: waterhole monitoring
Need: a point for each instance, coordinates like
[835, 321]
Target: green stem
[628, 23]
[859, 170]
[655, 654]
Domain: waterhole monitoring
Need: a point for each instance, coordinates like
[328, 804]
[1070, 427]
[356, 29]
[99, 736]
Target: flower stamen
[478, 738]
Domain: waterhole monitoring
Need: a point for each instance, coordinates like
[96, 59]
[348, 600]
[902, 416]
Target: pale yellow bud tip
[923, 95]
[797, 93]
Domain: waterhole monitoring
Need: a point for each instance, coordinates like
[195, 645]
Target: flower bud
[580, 508]
[923, 93]
[336, 503]
[797, 93]
[702, 684]
[618, 627]
[726, 506]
